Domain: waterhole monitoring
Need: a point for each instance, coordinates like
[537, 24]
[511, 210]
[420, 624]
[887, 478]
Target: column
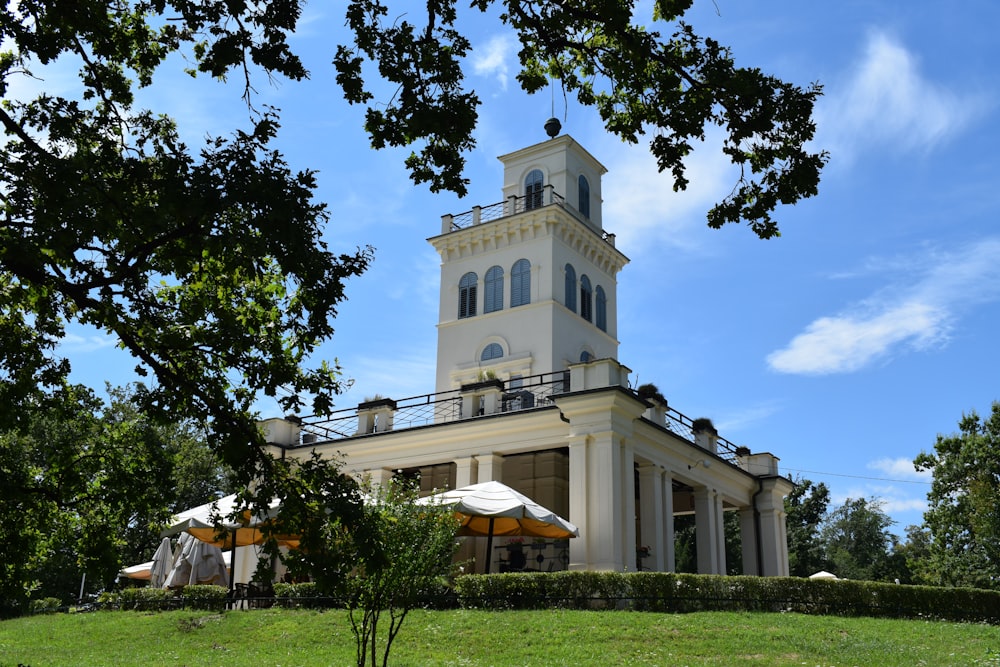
[669, 558]
[627, 516]
[651, 519]
[706, 530]
[748, 540]
[490, 468]
[579, 556]
[720, 535]
[465, 472]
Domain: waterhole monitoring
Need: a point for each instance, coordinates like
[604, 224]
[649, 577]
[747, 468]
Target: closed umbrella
[163, 560]
[491, 508]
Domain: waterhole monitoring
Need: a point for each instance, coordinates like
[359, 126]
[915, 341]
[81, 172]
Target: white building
[529, 391]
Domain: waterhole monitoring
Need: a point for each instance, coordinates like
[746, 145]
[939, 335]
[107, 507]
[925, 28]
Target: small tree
[415, 545]
[805, 507]
[858, 543]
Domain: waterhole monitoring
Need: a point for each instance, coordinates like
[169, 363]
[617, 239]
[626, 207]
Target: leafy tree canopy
[805, 508]
[963, 514]
[84, 483]
[206, 262]
[857, 541]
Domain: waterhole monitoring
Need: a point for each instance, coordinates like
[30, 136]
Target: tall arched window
[491, 351]
[583, 190]
[494, 290]
[602, 308]
[533, 184]
[586, 299]
[467, 295]
[520, 283]
[570, 287]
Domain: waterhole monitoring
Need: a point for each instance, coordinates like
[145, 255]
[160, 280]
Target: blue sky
[843, 347]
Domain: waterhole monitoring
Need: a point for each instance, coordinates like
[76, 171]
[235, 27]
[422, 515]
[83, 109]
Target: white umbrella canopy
[198, 563]
[198, 522]
[163, 560]
[142, 571]
[492, 508]
[823, 574]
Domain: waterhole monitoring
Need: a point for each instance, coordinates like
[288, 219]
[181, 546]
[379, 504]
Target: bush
[44, 606]
[307, 595]
[145, 599]
[205, 597]
[668, 592]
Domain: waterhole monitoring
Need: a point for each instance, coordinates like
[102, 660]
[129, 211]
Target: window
[585, 356]
[570, 287]
[494, 290]
[583, 190]
[467, 295]
[520, 283]
[491, 351]
[533, 189]
[586, 299]
[602, 308]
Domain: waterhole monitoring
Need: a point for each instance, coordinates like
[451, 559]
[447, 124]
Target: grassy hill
[297, 637]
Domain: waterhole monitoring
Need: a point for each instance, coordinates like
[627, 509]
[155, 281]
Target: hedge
[155, 599]
[668, 592]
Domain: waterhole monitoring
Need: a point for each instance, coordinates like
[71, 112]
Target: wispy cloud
[76, 344]
[492, 57]
[917, 312]
[645, 212]
[900, 469]
[887, 101]
[748, 416]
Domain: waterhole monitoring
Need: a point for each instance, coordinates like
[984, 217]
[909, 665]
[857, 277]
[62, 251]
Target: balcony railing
[537, 391]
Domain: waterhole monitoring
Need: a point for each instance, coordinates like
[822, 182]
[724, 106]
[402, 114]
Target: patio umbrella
[492, 508]
[163, 560]
[142, 571]
[198, 563]
[198, 522]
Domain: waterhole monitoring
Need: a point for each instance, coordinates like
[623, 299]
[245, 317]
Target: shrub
[306, 595]
[205, 597]
[145, 599]
[668, 592]
[44, 606]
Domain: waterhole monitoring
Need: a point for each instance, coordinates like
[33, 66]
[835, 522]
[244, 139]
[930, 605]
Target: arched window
[570, 287]
[585, 356]
[520, 283]
[586, 299]
[533, 184]
[494, 290]
[467, 295]
[491, 351]
[583, 190]
[602, 308]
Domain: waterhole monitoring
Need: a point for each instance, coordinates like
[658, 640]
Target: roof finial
[552, 127]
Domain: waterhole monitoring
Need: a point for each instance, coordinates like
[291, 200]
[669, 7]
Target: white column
[579, 556]
[490, 468]
[465, 472]
[627, 517]
[706, 531]
[669, 558]
[748, 541]
[651, 519]
[720, 535]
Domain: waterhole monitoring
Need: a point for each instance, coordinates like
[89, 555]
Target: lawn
[291, 638]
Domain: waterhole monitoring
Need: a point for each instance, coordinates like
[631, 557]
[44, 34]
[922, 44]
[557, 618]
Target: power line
[876, 479]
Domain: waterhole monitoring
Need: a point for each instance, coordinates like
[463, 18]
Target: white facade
[548, 410]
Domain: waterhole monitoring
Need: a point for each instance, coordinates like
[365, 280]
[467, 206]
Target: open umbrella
[492, 508]
[198, 521]
[163, 560]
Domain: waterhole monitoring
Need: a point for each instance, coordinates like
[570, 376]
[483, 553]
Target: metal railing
[536, 391]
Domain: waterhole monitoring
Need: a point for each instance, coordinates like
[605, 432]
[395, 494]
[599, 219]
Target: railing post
[510, 207]
[446, 223]
[550, 194]
[477, 215]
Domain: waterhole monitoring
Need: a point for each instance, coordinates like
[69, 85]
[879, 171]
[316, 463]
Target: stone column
[627, 517]
[651, 519]
[706, 530]
[465, 472]
[490, 468]
[720, 535]
[669, 558]
[748, 541]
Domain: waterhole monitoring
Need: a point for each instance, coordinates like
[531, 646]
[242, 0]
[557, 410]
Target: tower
[529, 284]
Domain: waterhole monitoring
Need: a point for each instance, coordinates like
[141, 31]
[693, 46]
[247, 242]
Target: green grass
[291, 638]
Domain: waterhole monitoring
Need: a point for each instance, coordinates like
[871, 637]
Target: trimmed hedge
[668, 592]
[157, 599]
[306, 595]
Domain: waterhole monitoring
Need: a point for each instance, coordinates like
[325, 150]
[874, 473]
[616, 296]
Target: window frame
[534, 184]
[586, 298]
[493, 283]
[468, 293]
[570, 296]
[520, 283]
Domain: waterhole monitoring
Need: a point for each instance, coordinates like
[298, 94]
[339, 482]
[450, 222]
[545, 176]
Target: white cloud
[491, 59]
[887, 101]
[645, 211]
[918, 312]
[77, 344]
[747, 417]
[900, 469]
